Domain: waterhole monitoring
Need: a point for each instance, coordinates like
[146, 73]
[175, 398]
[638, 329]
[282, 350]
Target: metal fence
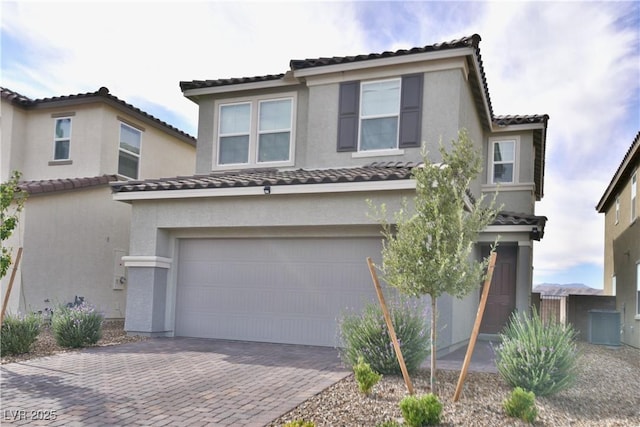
[553, 308]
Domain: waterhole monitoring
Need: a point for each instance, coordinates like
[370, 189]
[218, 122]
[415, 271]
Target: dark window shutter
[348, 116]
[411, 111]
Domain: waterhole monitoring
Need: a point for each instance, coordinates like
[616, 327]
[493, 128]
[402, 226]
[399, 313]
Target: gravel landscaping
[606, 393]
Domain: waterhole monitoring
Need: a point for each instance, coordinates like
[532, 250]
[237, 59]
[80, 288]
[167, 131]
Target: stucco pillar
[523, 278]
[146, 294]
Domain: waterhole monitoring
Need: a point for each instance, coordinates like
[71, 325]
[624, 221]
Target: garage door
[284, 290]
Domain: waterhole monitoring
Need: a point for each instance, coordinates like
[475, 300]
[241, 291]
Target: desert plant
[428, 248]
[300, 423]
[366, 334]
[389, 423]
[365, 376]
[521, 404]
[537, 356]
[419, 411]
[18, 333]
[77, 326]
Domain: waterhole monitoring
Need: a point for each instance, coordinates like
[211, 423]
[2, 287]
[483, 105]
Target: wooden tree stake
[13, 276]
[392, 332]
[476, 327]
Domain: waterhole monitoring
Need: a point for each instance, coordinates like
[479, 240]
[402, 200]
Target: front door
[501, 301]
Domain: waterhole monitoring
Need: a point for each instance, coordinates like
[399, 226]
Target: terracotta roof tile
[197, 84]
[65, 184]
[262, 177]
[519, 120]
[514, 218]
[472, 41]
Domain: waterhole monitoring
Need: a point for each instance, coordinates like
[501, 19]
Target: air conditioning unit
[604, 327]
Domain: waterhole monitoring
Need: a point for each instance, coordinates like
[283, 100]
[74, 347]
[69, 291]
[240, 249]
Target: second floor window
[503, 161]
[129, 151]
[379, 114]
[263, 137]
[62, 139]
[634, 195]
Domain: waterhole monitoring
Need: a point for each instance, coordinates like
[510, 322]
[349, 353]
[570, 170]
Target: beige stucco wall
[69, 242]
[28, 141]
[613, 230]
[12, 128]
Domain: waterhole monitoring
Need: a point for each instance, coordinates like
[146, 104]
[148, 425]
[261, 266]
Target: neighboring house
[269, 240]
[621, 207]
[73, 234]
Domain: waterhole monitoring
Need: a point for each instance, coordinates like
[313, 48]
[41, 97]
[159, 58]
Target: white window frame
[614, 285]
[120, 149]
[634, 195]
[254, 132]
[362, 117]
[637, 290]
[492, 163]
[617, 217]
[56, 139]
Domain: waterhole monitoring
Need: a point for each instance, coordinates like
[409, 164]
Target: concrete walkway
[166, 382]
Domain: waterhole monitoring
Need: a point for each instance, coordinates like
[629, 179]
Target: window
[617, 209]
[62, 139]
[129, 151]
[613, 285]
[638, 289]
[634, 195]
[503, 161]
[266, 137]
[379, 114]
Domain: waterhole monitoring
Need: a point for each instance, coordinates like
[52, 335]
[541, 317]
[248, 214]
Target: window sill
[264, 165]
[637, 317]
[377, 153]
[60, 162]
[512, 186]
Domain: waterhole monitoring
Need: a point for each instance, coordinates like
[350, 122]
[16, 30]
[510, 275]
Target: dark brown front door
[502, 293]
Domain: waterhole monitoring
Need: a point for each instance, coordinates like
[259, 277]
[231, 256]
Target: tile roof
[102, 93]
[298, 64]
[472, 41]
[520, 120]
[65, 184]
[377, 171]
[263, 177]
[630, 159]
[515, 218]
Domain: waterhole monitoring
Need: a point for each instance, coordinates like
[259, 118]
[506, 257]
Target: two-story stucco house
[73, 234]
[621, 207]
[269, 240]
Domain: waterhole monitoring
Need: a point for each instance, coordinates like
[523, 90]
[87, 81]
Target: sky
[578, 62]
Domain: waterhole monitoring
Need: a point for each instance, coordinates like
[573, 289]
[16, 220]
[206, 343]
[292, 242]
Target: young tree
[11, 203]
[428, 249]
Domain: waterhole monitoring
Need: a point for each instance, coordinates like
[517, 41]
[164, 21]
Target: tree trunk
[433, 346]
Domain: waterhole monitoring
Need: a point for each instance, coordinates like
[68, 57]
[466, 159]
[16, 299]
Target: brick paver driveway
[166, 382]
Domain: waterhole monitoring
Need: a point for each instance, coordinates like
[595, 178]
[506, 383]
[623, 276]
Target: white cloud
[142, 50]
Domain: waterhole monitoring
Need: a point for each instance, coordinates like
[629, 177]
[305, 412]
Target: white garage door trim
[284, 290]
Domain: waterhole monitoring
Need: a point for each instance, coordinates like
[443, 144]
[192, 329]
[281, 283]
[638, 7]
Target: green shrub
[300, 423]
[18, 333]
[365, 376]
[366, 334]
[77, 326]
[537, 356]
[521, 404]
[421, 411]
[389, 423]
